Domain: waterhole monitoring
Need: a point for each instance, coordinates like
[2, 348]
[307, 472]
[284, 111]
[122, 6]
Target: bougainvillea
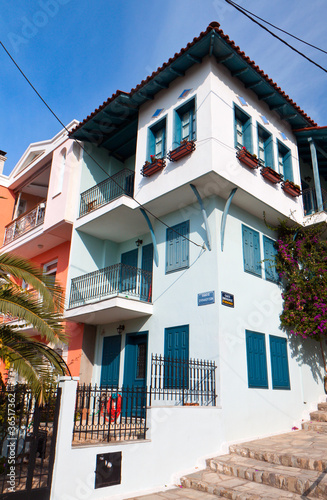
[302, 266]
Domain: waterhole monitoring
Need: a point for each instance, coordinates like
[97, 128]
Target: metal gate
[27, 443]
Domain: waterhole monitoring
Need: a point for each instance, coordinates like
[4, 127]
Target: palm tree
[40, 306]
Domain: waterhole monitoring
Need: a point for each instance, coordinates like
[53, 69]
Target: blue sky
[78, 53]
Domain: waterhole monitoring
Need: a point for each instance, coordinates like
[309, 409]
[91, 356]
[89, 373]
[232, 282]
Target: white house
[173, 259]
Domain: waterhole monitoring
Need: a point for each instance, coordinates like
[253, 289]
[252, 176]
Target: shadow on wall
[308, 352]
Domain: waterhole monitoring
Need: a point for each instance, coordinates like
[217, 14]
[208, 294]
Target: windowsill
[176, 270]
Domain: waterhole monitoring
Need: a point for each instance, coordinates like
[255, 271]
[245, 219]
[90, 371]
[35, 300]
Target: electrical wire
[90, 156]
[280, 29]
[240, 9]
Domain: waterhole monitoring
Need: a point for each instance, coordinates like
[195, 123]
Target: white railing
[25, 223]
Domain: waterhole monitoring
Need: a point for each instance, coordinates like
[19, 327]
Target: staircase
[287, 466]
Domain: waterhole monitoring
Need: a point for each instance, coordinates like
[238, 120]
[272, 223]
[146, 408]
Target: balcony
[117, 185]
[115, 293]
[25, 223]
[310, 204]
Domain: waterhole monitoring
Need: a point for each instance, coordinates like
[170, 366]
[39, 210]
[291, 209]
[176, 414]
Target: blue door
[110, 361]
[134, 400]
[176, 356]
[129, 272]
[147, 265]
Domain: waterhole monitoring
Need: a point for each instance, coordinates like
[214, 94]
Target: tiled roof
[212, 26]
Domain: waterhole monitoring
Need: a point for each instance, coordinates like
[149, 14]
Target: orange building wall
[7, 204]
[73, 330]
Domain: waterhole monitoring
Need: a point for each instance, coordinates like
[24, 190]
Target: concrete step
[315, 426]
[319, 416]
[291, 479]
[306, 450]
[322, 406]
[234, 488]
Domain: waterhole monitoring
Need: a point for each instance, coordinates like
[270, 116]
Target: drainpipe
[316, 177]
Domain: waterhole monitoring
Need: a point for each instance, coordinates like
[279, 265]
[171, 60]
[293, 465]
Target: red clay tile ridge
[212, 26]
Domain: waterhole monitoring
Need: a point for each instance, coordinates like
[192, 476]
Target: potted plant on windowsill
[271, 175]
[247, 158]
[184, 149]
[153, 166]
[290, 188]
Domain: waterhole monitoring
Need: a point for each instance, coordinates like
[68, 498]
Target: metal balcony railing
[310, 204]
[25, 223]
[112, 280]
[118, 185]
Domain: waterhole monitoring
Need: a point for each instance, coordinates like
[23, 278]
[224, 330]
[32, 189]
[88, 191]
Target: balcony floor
[109, 310]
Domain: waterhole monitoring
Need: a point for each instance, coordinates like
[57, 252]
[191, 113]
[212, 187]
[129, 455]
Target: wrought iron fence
[109, 414]
[189, 382]
[111, 280]
[25, 223]
[310, 204]
[27, 441]
[107, 190]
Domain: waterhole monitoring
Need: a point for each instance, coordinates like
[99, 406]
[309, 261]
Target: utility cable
[240, 9]
[90, 156]
[280, 29]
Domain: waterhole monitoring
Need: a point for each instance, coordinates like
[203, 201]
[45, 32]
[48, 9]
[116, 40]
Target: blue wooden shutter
[151, 143]
[270, 253]
[269, 152]
[256, 360]
[177, 130]
[279, 363]
[251, 251]
[247, 135]
[176, 348]
[110, 361]
[177, 247]
[287, 164]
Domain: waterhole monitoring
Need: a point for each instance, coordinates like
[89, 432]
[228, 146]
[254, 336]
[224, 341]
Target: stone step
[291, 479]
[306, 457]
[234, 488]
[322, 406]
[315, 426]
[319, 416]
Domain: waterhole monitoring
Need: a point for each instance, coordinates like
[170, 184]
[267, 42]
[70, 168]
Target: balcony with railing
[310, 205]
[122, 291]
[106, 191]
[25, 223]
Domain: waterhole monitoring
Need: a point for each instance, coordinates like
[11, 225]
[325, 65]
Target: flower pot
[183, 150]
[291, 189]
[271, 175]
[153, 167]
[247, 158]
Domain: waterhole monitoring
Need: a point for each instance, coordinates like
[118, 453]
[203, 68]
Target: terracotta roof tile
[212, 26]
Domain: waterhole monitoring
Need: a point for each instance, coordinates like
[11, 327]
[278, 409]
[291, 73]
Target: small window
[251, 251]
[50, 269]
[60, 172]
[285, 161]
[270, 253]
[185, 124]
[157, 140]
[157, 112]
[177, 247]
[242, 130]
[185, 93]
[256, 360]
[265, 147]
[242, 100]
[279, 363]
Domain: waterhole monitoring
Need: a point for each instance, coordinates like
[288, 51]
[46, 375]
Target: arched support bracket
[204, 215]
[154, 241]
[224, 217]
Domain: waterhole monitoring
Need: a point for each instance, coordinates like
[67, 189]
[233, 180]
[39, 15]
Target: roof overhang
[108, 123]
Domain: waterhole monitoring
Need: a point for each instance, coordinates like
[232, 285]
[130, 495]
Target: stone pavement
[287, 466]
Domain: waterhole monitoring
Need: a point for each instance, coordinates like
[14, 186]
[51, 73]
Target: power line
[280, 29]
[240, 9]
[90, 156]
